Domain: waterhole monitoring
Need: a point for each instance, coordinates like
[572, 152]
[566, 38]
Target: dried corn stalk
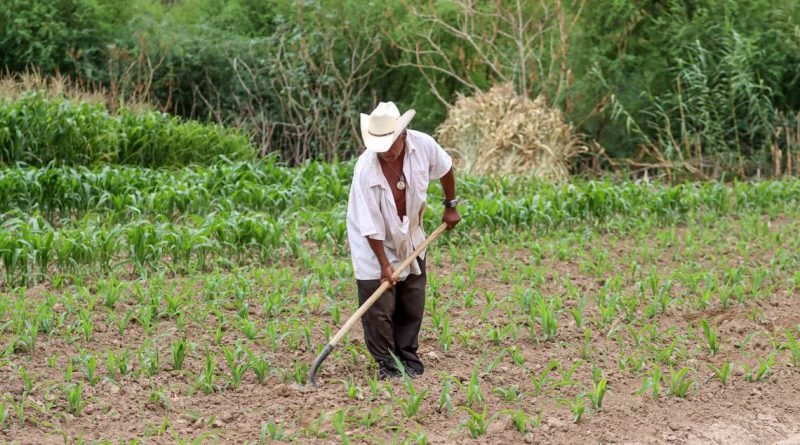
[500, 132]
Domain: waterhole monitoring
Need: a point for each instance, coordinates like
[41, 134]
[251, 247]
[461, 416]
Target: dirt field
[645, 295]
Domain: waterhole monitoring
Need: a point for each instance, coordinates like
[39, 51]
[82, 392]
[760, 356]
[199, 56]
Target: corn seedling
[516, 355]
[352, 390]
[90, 370]
[339, 420]
[474, 397]
[446, 398]
[27, 382]
[520, 420]
[652, 383]
[300, 371]
[159, 397]
[794, 348]
[178, 354]
[260, 366]
[478, 422]
[509, 394]
[597, 393]
[272, 431]
[237, 366]
[206, 380]
[723, 372]
[711, 337]
[3, 412]
[760, 372]
[444, 335]
[149, 358]
[545, 316]
[679, 383]
[586, 345]
[566, 375]
[74, 395]
[544, 378]
[578, 408]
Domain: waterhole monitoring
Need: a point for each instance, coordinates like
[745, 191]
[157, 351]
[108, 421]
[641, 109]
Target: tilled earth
[167, 407]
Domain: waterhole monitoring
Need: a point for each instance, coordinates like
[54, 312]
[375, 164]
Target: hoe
[312, 374]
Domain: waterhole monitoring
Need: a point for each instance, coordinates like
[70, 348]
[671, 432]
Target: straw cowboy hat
[381, 128]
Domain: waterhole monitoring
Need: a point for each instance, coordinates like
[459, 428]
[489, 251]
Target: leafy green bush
[37, 130]
[50, 34]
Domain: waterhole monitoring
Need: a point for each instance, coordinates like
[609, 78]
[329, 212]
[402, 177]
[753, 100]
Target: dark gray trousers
[393, 322]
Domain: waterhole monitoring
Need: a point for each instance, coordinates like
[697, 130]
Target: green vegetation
[36, 130]
[223, 281]
[710, 87]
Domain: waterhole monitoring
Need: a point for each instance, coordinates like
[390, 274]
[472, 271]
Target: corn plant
[260, 366]
[272, 431]
[149, 358]
[652, 382]
[206, 380]
[478, 422]
[711, 337]
[578, 408]
[566, 375]
[339, 420]
[509, 394]
[118, 362]
[90, 370]
[586, 345]
[794, 348]
[545, 316]
[761, 371]
[544, 378]
[679, 383]
[352, 389]
[444, 335]
[300, 371]
[159, 397]
[597, 393]
[236, 364]
[4, 412]
[516, 355]
[577, 312]
[74, 396]
[520, 420]
[27, 382]
[446, 398]
[723, 372]
[474, 396]
[411, 404]
[178, 354]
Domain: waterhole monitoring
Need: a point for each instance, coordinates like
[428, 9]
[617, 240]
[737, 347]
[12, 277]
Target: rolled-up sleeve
[440, 161]
[365, 209]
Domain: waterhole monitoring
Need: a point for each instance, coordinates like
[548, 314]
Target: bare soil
[742, 412]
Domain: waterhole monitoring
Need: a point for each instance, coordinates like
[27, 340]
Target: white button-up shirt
[371, 210]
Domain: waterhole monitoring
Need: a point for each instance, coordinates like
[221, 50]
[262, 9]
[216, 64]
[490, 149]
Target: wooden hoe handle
[312, 375]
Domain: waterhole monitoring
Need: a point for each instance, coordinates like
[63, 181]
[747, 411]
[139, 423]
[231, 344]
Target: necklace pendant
[401, 184]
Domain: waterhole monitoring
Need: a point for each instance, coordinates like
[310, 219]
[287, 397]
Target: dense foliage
[37, 130]
[715, 81]
[94, 219]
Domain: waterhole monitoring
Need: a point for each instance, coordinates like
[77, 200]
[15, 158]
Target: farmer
[384, 226]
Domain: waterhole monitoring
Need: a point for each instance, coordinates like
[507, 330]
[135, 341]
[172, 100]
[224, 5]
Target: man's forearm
[377, 248]
[449, 185]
